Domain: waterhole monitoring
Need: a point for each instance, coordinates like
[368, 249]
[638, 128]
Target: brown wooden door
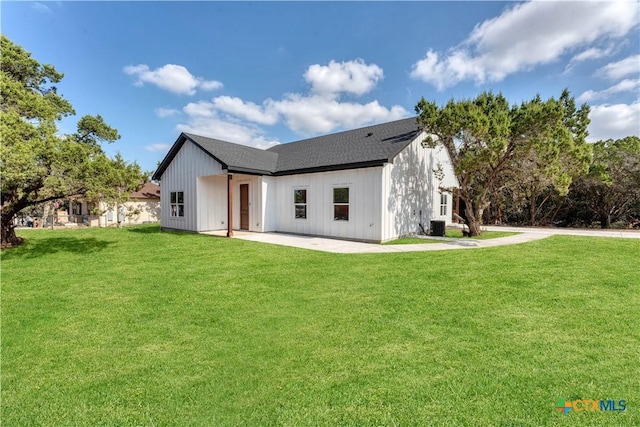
[244, 206]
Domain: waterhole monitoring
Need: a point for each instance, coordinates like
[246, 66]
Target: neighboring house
[374, 184]
[142, 207]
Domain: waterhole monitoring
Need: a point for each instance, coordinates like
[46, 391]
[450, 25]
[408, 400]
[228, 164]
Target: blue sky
[266, 73]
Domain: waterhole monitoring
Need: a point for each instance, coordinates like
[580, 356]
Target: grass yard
[486, 235]
[137, 327]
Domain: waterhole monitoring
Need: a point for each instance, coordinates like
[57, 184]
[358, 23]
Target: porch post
[229, 205]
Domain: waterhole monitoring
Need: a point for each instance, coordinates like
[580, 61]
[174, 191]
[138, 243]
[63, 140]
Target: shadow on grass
[33, 248]
[144, 229]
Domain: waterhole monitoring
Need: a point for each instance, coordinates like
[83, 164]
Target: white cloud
[589, 54]
[199, 109]
[354, 77]
[319, 111]
[627, 85]
[317, 114]
[265, 115]
[525, 36]
[40, 7]
[227, 130]
[171, 77]
[204, 119]
[614, 121]
[166, 112]
[158, 147]
[620, 69]
[592, 53]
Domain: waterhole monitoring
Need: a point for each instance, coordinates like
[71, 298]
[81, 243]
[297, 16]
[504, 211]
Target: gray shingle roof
[237, 157]
[367, 146]
[371, 144]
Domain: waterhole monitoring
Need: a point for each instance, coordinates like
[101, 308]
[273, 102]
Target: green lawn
[452, 234]
[142, 328]
[484, 236]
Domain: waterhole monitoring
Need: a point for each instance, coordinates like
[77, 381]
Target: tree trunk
[473, 220]
[532, 211]
[9, 238]
[605, 220]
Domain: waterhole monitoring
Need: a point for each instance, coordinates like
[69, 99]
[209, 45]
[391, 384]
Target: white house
[375, 183]
[142, 207]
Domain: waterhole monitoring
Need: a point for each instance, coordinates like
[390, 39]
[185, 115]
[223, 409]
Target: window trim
[296, 204]
[444, 197]
[336, 204]
[174, 206]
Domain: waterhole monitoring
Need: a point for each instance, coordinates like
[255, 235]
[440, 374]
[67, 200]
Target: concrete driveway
[349, 247]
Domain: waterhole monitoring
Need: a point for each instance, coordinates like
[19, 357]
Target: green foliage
[143, 328]
[545, 168]
[493, 145]
[610, 192]
[36, 163]
[111, 182]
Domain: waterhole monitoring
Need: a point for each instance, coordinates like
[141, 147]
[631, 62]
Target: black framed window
[177, 204]
[300, 203]
[341, 204]
[444, 200]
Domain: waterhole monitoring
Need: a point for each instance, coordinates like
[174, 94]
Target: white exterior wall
[364, 203]
[212, 202]
[410, 190]
[441, 157]
[255, 201]
[385, 202]
[269, 203]
[181, 175]
[149, 211]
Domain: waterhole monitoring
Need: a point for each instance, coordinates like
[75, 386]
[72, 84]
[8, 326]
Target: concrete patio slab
[350, 247]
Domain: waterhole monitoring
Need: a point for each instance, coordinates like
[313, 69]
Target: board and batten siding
[410, 190]
[449, 180]
[364, 204]
[181, 175]
[212, 202]
[269, 209]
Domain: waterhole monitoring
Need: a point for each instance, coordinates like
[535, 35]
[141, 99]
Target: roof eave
[174, 151]
[328, 168]
[247, 171]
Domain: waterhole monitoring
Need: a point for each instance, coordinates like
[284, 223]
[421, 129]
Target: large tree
[486, 136]
[544, 170]
[610, 192]
[37, 164]
[112, 182]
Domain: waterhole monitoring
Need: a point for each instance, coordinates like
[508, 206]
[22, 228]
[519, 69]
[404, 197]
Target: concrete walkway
[348, 247]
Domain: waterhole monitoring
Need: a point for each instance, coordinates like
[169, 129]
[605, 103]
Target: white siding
[255, 201]
[410, 190]
[181, 175]
[385, 202]
[269, 204]
[212, 202]
[364, 200]
[148, 211]
[441, 157]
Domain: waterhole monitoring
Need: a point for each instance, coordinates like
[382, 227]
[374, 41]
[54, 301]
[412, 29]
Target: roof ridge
[372, 145]
[191, 135]
[344, 131]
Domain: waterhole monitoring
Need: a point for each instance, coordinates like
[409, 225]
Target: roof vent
[369, 134]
